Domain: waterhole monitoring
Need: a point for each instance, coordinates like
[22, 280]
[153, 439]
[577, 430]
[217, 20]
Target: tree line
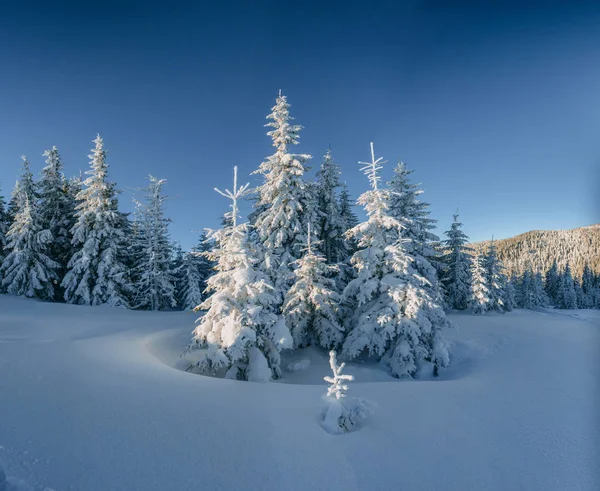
[303, 270]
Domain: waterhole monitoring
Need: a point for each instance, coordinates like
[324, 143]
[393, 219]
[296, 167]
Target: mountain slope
[541, 247]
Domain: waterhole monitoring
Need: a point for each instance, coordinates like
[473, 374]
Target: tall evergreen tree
[552, 283]
[242, 335]
[96, 272]
[56, 211]
[330, 223]
[23, 191]
[587, 287]
[406, 206]
[155, 288]
[27, 270]
[346, 207]
[456, 276]
[311, 304]
[197, 268]
[479, 301]
[348, 246]
[567, 298]
[396, 317]
[496, 280]
[284, 204]
[510, 298]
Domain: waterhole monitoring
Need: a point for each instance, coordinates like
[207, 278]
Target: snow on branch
[372, 168]
[234, 196]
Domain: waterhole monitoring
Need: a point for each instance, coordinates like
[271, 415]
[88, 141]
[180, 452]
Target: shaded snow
[90, 401]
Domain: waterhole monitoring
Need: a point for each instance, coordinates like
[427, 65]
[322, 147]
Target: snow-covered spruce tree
[479, 301]
[191, 282]
[311, 304]
[330, 227]
[242, 335]
[531, 291]
[510, 297]
[396, 317]
[56, 211]
[406, 207]
[541, 297]
[27, 269]
[96, 274]
[346, 207]
[340, 414]
[587, 287]
[349, 220]
[496, 280]
[196, 270]
[155, 285]
[285, 202]
[567, 298]
[413, 213]
[456, 276]
[24, 190]
[552, 283]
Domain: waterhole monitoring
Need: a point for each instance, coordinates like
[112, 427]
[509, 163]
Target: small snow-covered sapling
[337, 388]
[341, 415]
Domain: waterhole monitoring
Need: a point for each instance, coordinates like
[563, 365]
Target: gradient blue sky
[497, 108]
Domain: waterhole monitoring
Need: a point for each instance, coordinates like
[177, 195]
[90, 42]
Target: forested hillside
[539, 248]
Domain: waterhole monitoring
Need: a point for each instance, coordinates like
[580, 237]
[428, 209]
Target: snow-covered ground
[97, 399]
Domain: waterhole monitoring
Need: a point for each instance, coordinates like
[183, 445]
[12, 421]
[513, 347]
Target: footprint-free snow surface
[98, 399]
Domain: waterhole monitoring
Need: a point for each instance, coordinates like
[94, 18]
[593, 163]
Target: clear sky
[495, 106]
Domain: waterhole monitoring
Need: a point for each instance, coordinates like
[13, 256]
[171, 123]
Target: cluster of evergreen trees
[557, 288]
[476, 280]
[303, 270]
[66, 240]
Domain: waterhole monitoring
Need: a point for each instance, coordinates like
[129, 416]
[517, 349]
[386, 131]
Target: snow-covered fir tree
[27, 269]
[311, 304]
[456, 276]
[96, 272]
[587, 287]
[496, 280]
[349, 220]
[196, 270]
[395, 314]
[406, 206]
[285, 201]
[479, 300]
[567, 298]
[346, 207]
[541, 297]
[531, 291]
[340, 414]
[24, 190]
[56, 210]
[242, 335]
[552, 283]
[510, 293]
[330, 223]
[155, 287]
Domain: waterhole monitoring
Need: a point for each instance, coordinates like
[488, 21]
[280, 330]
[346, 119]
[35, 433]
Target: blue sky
[495, 107]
